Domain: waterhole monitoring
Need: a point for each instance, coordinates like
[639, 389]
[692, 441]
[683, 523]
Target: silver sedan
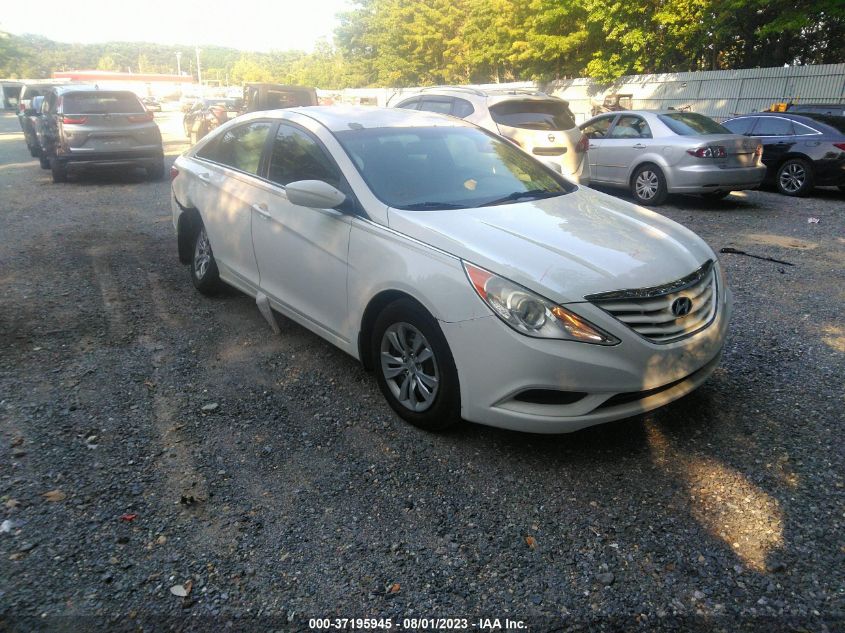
[654, 154]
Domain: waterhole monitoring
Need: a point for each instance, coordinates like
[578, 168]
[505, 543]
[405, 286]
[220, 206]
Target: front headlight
[529, 313]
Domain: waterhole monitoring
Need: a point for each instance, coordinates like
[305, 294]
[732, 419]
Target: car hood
[564, 248]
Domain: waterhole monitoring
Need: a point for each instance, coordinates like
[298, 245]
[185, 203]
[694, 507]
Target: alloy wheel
[202, 254]
[647, 184]
[792, 177]
[409, 367]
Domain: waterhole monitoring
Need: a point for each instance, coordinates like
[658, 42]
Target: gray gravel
[182, 444]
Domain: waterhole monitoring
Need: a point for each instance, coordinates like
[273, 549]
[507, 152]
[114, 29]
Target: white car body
[556, 147]
[323, 268]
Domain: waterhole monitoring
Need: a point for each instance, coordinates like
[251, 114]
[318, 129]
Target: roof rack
[474, 91]
[518, 91]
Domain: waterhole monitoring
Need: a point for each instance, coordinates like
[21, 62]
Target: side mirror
[315, 194]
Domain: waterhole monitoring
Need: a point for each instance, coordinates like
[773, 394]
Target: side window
[409, 104]
[772, 126]
[631, 127]
[240, 147]
[462, 108]
[297, 156]
[439, 105]
[598, 128]
[803, 130]
[740, 126]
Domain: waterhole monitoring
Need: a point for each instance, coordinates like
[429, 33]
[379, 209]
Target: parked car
[832, 109]
[653, 154]
[85, 127]
[475, 280]
[800, 151]
[266, 96]
[26, 112]
[540, 124]
[208, 114]
[151, 104]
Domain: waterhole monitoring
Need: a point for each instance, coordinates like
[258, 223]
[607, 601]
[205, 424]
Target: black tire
[444, 409]
[795, 178]
[34, 151]
[648, 185]
[59, 170]
[155, 171]
[44, 162]
[841, 187]
[716, 195]
[206, 279]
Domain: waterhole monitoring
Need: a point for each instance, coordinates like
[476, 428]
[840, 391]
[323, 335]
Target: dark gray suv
[86, 127]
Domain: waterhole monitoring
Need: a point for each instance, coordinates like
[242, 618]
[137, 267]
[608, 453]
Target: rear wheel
[414, 366]
[648, 185]
[204, 271]
[59, 170]
[44, 161]
[795, 178]
[34, 151]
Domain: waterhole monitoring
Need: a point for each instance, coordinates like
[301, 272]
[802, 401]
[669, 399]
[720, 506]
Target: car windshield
[692, 124]
[447, 168]
[101, 102]
[551, 114]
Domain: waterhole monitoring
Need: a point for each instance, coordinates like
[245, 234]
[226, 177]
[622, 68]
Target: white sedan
[475, 281]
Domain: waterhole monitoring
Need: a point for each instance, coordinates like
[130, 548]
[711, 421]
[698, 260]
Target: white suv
[540, 124]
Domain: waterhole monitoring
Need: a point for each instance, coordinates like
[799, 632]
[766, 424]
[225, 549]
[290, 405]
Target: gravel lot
[151, 437]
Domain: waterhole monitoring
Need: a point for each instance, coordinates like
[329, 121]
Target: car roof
[339, 118]
[492, 95]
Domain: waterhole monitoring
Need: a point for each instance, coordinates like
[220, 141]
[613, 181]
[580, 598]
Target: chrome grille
[649, 311]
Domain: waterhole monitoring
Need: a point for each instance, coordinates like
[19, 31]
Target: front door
[629, 137]
[596, 132]
[302, 252]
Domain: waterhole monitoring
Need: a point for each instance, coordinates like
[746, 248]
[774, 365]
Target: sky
[252, 25]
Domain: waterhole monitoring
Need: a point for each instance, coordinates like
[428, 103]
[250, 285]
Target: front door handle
[204, 178]
[592, 146]
[639, 146]
[262, 210]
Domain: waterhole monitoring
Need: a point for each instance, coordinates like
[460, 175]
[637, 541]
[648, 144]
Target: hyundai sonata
[474, 280]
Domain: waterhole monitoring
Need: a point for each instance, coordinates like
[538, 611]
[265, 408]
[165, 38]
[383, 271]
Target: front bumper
[496, 365]
[711, 178]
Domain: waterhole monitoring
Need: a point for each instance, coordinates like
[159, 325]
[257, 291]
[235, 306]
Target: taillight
[174, 171]
[583, 144]
[839, 146]
[140, 118]
[711, 151]
[74, 120]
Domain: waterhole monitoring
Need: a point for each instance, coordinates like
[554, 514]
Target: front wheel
[648, 185]
[204, 271]
[414, 366]
[795, 178]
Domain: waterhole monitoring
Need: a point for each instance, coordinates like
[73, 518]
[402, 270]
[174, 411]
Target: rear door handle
[592, 146]
[639, 146]
[262, 210]
[204, 177]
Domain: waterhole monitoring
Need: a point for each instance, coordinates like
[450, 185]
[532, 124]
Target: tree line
[399, 43]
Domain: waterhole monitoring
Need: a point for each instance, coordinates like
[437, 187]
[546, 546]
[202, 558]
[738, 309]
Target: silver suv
[86, 127]
[540, 124]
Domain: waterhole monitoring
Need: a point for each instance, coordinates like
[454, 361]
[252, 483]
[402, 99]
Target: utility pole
[199, 70]
[178, 62]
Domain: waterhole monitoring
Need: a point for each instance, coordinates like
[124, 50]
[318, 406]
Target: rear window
[101, 102]
[836, 122]
[692, 124]
[534, 115]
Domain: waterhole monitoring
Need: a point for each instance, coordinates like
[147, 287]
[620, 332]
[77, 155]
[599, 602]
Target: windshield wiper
[432, 205]
[534, 194]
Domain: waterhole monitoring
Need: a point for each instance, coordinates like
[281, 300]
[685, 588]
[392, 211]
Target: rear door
[224, 187]
[302, 252]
